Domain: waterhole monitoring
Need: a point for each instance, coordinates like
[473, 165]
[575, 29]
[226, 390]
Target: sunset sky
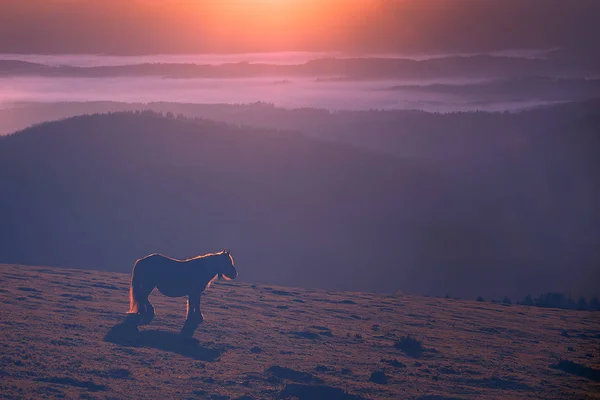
[183, 26]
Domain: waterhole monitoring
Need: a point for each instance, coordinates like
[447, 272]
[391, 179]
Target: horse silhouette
[177, 278]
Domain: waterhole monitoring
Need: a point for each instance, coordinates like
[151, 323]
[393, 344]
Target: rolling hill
[499, 213]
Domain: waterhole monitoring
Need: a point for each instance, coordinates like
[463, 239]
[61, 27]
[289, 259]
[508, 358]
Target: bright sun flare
[291, 21]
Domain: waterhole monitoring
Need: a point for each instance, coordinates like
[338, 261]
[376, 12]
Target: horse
[177, 278]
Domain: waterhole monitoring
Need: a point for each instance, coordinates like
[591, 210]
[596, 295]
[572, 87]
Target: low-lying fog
[289, 93]
[431, 82]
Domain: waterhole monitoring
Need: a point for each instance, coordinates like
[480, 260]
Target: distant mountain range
[464, 204]
[474, 66]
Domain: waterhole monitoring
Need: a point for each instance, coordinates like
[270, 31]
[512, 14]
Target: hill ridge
[335, 214]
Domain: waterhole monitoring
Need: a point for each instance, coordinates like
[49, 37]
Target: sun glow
[217, 26]
[273, 23]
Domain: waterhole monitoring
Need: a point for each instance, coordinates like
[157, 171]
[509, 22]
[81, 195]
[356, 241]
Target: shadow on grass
[126, 333]
[91, 386]
[574, 368]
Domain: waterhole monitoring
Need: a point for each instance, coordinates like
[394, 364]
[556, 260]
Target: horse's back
[173, 278]
[152, 257]
[153, 262]
[157, 258]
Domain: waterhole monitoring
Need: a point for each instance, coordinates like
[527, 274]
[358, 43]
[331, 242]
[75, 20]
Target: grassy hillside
[123, 185]
[500, 214]
[60, 338]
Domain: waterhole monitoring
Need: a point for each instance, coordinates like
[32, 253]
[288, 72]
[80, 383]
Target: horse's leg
[198, 317]
[146, 309]
[148, 314]
[194, 317]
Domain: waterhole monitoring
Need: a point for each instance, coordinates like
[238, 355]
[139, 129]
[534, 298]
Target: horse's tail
[133, 304]
[134, 288]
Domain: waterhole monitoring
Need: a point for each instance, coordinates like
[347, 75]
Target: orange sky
[210, 24]
[271, 23]
[172, 26]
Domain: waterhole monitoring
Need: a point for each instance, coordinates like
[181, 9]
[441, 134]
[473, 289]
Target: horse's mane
[218, 253]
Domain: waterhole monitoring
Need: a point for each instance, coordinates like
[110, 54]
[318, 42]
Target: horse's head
[226, 267]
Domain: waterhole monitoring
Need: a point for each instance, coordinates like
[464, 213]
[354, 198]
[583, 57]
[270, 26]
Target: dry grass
[54, 323]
